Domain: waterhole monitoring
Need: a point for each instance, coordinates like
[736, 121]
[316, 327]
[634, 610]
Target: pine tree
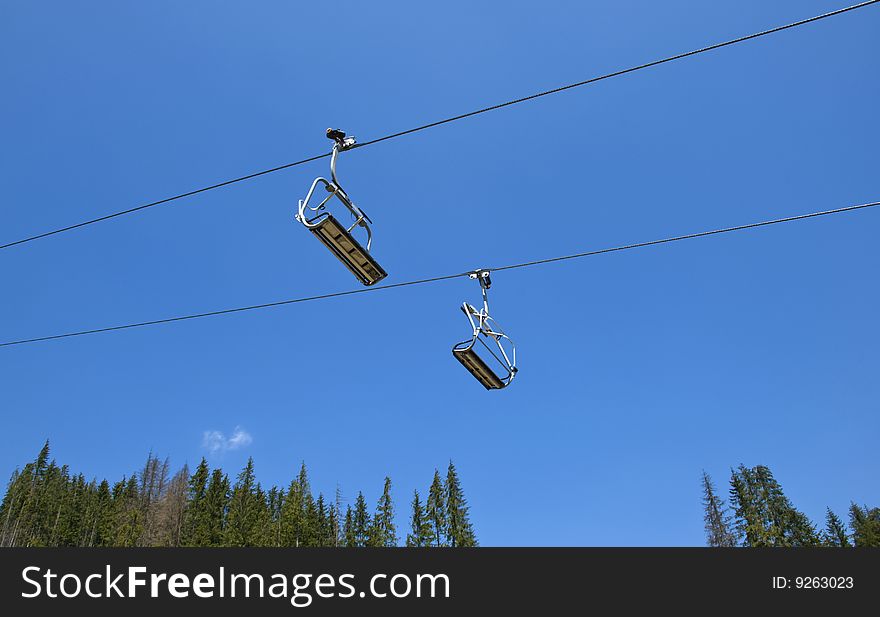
[243, 518]
[102, 534]
[348, 531]
[196, 520]
[383, 531]
[459, 531]
[262, 532]
[309, 515]
[275, 499]
[332, 526]
[361, 521]
[322, 523]
[420, 533]
[312, 531]
[835, 532]
[213, 526]
[435, 509]
[765, 516]
[865, 524]
[718, 526]
[292, 518]
[129, 521]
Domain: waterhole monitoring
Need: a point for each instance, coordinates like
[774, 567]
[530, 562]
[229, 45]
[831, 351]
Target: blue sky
[638, 369]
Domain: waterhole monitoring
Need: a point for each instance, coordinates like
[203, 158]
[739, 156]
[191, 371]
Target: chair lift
[498, 349]
[330, 231]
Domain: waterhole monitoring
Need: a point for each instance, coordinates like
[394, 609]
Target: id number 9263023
[813, 582]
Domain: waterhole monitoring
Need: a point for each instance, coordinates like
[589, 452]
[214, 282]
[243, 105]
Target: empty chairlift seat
[349, 251]
[489, 355]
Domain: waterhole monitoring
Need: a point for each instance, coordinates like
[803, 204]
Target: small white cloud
[216, 442]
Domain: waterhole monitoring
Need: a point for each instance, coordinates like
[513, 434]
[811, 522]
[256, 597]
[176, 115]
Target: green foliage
[361, 522]
[717, 519]
[349, 537]
[865, 523]
[45, 505]
[421, 533]
[435, 509]
[765, 516]
[835, 532]
[382, 531]
[247, 510]
[459, 531]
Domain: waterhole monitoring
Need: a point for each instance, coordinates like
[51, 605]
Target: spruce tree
[309, 531]
[129, 522]
[459, 531]
[865, 523]
[322, 523]
[275, 499]
[332, 526]
[196, 518]
[435, 509]
[349, 534]
[764, 515]
[292, 523]
[312, 531]
[835, 532]
[716, 517]
[383, 531]
[361, 521]
[242, 521]
[213, 526]
[421, 534]
[103, 530]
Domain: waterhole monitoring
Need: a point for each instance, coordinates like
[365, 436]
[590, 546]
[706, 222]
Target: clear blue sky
[638, 369]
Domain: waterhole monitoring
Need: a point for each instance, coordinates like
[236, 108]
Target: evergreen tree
[196, 520]
[765, 516]
[216, 508]
[292, 515]
[129, 522]
[310, 520]
[361, 521]
[102, 532]
[332, 526]
[865, 524]
[262, 533]
[348, 531]
[383, 531]
[835, 533]
[322, 523]
[717, 520]
[243, 518]
[275, 499]
[435, 508]
[421, 533]
[459, 531]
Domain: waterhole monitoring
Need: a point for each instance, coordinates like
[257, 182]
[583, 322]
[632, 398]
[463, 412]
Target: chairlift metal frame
[333, 234]
[488, 333]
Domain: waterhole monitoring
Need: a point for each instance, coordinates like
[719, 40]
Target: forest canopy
[759, 514]
[47, 505]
